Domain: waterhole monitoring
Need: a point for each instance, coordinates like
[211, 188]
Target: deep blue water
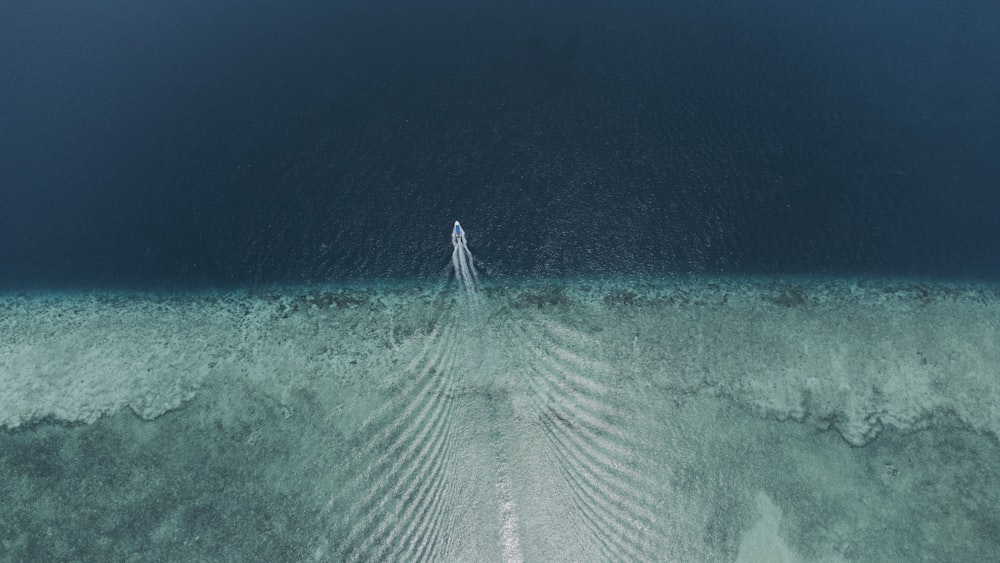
[200, 143]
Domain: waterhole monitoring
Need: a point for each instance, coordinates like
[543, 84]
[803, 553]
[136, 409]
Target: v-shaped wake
[461, 260]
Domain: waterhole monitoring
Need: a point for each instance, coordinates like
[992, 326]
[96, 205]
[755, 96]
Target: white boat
[458, 235]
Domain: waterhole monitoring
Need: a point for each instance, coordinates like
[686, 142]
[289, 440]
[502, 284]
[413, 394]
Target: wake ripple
[407, 485]
[611, 498]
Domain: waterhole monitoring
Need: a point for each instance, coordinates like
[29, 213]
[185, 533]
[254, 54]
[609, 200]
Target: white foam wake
[462, 263]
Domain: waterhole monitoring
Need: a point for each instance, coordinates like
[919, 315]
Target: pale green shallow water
[728, 420]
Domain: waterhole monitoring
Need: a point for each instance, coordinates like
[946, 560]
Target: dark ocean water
[200, 143]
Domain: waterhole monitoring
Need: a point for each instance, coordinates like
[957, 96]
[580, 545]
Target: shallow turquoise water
[699, 420]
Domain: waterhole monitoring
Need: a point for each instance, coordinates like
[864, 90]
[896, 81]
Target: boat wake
[461, 260]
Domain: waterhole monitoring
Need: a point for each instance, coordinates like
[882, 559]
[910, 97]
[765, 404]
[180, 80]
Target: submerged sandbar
[854, 356]
[613, 419]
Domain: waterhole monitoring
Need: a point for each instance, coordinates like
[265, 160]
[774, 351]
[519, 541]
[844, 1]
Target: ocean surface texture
[728, 288]
[739, 420]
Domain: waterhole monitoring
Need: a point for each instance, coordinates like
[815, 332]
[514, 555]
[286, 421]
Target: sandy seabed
[751, 420]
